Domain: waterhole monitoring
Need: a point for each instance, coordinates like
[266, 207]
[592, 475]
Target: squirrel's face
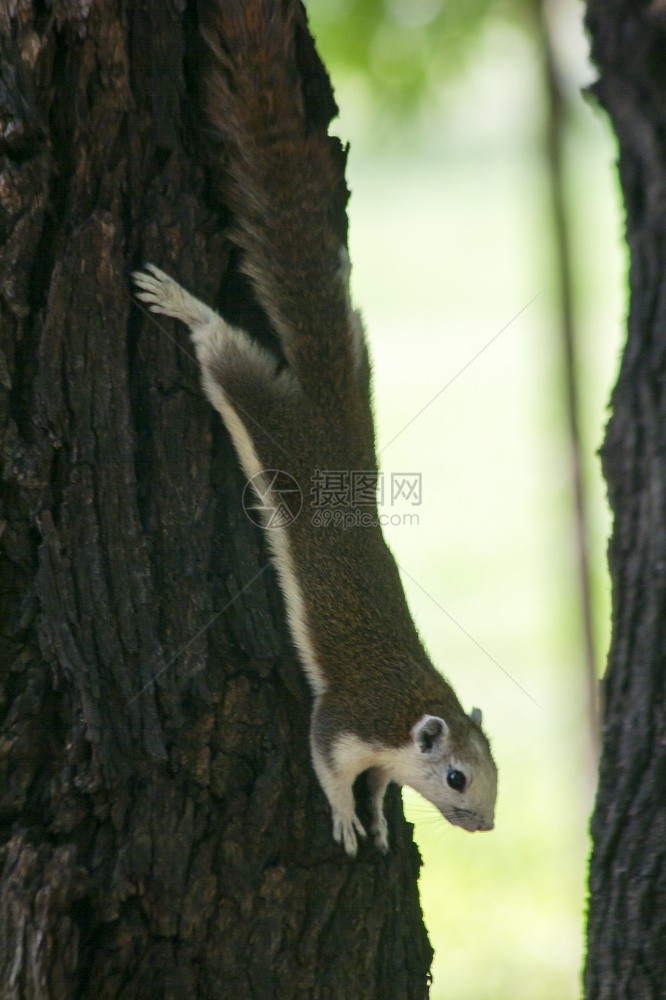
[458, 776]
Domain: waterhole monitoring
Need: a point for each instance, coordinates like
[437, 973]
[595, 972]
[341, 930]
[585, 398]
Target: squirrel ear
[429, 735]
[476, 715]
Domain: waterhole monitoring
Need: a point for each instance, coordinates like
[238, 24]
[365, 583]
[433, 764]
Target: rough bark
[627, 906]
[163, 834]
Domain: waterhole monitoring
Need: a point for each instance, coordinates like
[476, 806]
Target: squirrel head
[451, 765]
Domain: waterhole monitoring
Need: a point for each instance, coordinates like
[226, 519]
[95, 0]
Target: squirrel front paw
[345, 828]
[379, 830]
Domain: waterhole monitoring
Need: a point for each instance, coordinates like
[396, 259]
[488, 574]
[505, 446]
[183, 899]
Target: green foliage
[446, 249]
[403, 49]
[450, 239]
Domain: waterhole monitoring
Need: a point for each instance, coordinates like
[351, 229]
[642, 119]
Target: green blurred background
[444, 104]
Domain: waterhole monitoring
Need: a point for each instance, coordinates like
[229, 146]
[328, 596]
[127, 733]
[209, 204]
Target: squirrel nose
[486, 824]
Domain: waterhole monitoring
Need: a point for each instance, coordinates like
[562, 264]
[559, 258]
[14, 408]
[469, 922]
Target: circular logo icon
[272, 499]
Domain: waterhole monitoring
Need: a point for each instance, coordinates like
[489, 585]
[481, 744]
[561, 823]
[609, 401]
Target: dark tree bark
[626, 955]
[163, 833]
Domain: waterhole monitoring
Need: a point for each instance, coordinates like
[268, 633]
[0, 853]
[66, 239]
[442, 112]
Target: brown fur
[280, 182]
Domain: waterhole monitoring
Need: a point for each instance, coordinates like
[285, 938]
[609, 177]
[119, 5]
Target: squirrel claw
[154, 287]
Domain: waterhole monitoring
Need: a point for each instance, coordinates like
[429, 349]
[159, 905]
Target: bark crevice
[163, 834]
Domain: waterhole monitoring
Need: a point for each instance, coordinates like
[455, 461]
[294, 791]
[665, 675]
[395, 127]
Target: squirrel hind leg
[164, 295]
[212, 336]
[238, 375]
[220, 347]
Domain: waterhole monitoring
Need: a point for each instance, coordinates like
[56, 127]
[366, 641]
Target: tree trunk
[627, 909]
[163, 833]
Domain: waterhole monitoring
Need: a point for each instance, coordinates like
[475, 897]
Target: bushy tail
[283, 181]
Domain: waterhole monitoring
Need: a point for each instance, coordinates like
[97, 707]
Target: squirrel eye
[456, 780]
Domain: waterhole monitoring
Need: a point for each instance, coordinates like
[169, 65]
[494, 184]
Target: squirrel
[379, 704]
